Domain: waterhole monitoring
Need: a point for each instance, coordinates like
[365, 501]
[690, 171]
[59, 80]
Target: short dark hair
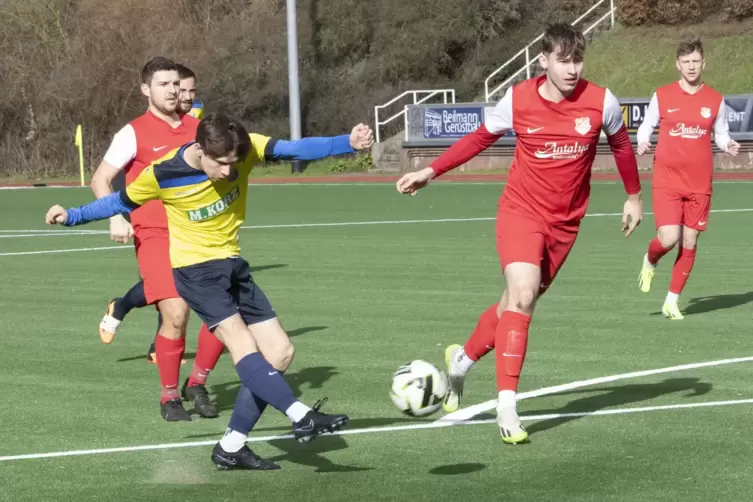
[687, 47]
[565, 39]
[153, 66]
[219, 135]
[185, 72]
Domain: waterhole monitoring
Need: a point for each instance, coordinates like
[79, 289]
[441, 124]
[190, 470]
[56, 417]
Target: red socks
[681, 270]
[207, 354]
[511, 343]
[169, 354]
[509, 334]
[481, 341]
[656, 251]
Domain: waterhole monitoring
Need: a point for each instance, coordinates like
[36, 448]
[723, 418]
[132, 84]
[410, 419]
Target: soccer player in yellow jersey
[204, 187]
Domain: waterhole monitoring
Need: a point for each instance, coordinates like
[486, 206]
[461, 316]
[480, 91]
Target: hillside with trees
[65, 62]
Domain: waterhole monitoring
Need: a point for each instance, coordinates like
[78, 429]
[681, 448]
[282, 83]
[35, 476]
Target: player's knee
[283, 356]
[524, 300]
[669, 236]
[689, 239]
[174, 320]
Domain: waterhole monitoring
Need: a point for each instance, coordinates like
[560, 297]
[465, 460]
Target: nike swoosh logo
[672, 110]
[701, 223]
[229, 461]
[158, 148]
[531, 131]
[307, 428]
[272, 373]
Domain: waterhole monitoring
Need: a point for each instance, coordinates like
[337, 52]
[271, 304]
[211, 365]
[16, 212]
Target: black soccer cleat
[241, 459]
[173, 411]
[316, 423]
[200, 397]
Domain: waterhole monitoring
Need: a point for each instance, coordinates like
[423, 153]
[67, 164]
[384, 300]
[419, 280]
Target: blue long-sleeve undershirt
[310, 148]
[100, 209]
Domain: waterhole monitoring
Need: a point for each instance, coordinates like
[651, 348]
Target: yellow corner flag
[79, 142]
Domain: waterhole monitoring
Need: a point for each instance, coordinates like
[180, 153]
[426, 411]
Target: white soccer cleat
[455, 379]
[508, 421]
[671, 310]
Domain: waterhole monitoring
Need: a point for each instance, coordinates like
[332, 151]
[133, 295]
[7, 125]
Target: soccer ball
[418, 388]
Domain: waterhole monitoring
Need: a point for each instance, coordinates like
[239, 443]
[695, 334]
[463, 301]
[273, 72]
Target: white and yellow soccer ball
[418, 388]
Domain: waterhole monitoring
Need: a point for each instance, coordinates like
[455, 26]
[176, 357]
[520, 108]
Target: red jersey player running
[558, 119]
[683, 167]
[138, 144]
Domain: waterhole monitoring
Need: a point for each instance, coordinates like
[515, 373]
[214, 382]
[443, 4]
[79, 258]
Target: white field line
[477, 409]
[440, 423]
[61, 233]
[365, 183]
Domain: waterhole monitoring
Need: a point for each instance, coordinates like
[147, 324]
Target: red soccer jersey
[550, 174]
[683, 160]
[141, 142]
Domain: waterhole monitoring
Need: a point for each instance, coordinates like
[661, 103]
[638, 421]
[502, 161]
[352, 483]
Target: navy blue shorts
[219, 289]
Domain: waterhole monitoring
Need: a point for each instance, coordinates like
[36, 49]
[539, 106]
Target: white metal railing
[446, 93]
[532, 61]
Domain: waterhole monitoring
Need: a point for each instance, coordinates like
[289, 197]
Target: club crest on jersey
[706, 112]
[583, 125]
[215, 208]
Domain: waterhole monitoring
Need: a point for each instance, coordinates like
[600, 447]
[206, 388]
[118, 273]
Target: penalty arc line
[439, 423]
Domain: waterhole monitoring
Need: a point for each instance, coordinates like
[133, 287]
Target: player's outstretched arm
[99, 209]
[470, 145]
[622, 149]
[646, 129]
[314, 148]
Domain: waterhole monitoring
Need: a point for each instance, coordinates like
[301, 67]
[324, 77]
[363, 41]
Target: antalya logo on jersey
[451, 122]
[583, 125]
[686, 132]
[215, 208]
[552, 150]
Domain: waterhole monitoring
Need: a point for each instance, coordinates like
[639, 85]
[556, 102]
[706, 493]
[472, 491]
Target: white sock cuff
[297, 411]
[507, 398]
[233, 441]
[462, 362]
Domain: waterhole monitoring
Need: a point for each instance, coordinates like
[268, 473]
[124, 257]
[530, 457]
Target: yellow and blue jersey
[203, 216]
[197, 109]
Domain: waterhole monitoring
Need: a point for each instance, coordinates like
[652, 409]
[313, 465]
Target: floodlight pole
[293, 81]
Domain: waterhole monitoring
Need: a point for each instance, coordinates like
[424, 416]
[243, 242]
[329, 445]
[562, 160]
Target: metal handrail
[429, 94]
[526, 50]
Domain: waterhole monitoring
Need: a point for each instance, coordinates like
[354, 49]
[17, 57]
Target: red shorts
[523, 239]
[681, 208]
[153, 255]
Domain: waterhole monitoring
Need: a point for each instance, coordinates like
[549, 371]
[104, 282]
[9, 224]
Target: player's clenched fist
[56, 215]
[411, 182]
[643, 148]
[362, 137]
